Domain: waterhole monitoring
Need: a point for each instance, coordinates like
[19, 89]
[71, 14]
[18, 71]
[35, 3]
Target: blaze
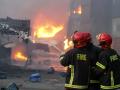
[78, 10]
[47, 30]
[33, 41]
[20, 56]
[67, 44]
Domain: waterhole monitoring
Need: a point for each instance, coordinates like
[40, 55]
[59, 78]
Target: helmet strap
[105, 46]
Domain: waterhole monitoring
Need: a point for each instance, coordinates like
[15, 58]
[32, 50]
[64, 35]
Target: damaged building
[95, 16]
[90, 15]
[13, 33]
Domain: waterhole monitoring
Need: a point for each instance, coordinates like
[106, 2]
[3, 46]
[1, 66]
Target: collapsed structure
[14, 38]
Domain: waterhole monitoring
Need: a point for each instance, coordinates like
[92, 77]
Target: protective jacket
[108, 67]
[78, 62]
[94, 52]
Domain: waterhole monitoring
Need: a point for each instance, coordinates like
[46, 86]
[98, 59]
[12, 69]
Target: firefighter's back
[111, 77]
[78, 69]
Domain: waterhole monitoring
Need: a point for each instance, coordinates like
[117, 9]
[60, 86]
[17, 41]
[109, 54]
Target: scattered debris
[13, 86]
[51, 70]
[36, 77]
[3, 75]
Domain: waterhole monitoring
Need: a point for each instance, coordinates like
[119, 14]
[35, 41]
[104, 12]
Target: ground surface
[48, 81]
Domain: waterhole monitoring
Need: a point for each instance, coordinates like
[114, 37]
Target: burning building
[79, 18]
[90, 15]
[11, 28]
[9, 35]
[35, 50]
[95, 16]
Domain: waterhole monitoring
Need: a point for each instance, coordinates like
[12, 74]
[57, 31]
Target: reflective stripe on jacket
[109, 65]
[78, 70]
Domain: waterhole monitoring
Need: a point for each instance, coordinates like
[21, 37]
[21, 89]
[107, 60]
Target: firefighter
[77, 60]
[108, 65]
[94, 53]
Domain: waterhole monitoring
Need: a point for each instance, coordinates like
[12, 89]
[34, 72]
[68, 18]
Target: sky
[56, 10]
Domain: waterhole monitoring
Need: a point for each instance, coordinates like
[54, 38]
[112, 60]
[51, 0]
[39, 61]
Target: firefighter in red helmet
[78, 61]
[79, 39]
[108, 64]
[104, 39]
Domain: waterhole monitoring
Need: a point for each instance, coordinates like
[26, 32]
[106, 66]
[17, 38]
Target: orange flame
[33, 41]
[20, 56]
[68, 44]
[47, 30]
[78, 10]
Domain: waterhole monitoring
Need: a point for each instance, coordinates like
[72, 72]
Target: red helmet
[87, 36]
[104, 38]
[80, 39]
